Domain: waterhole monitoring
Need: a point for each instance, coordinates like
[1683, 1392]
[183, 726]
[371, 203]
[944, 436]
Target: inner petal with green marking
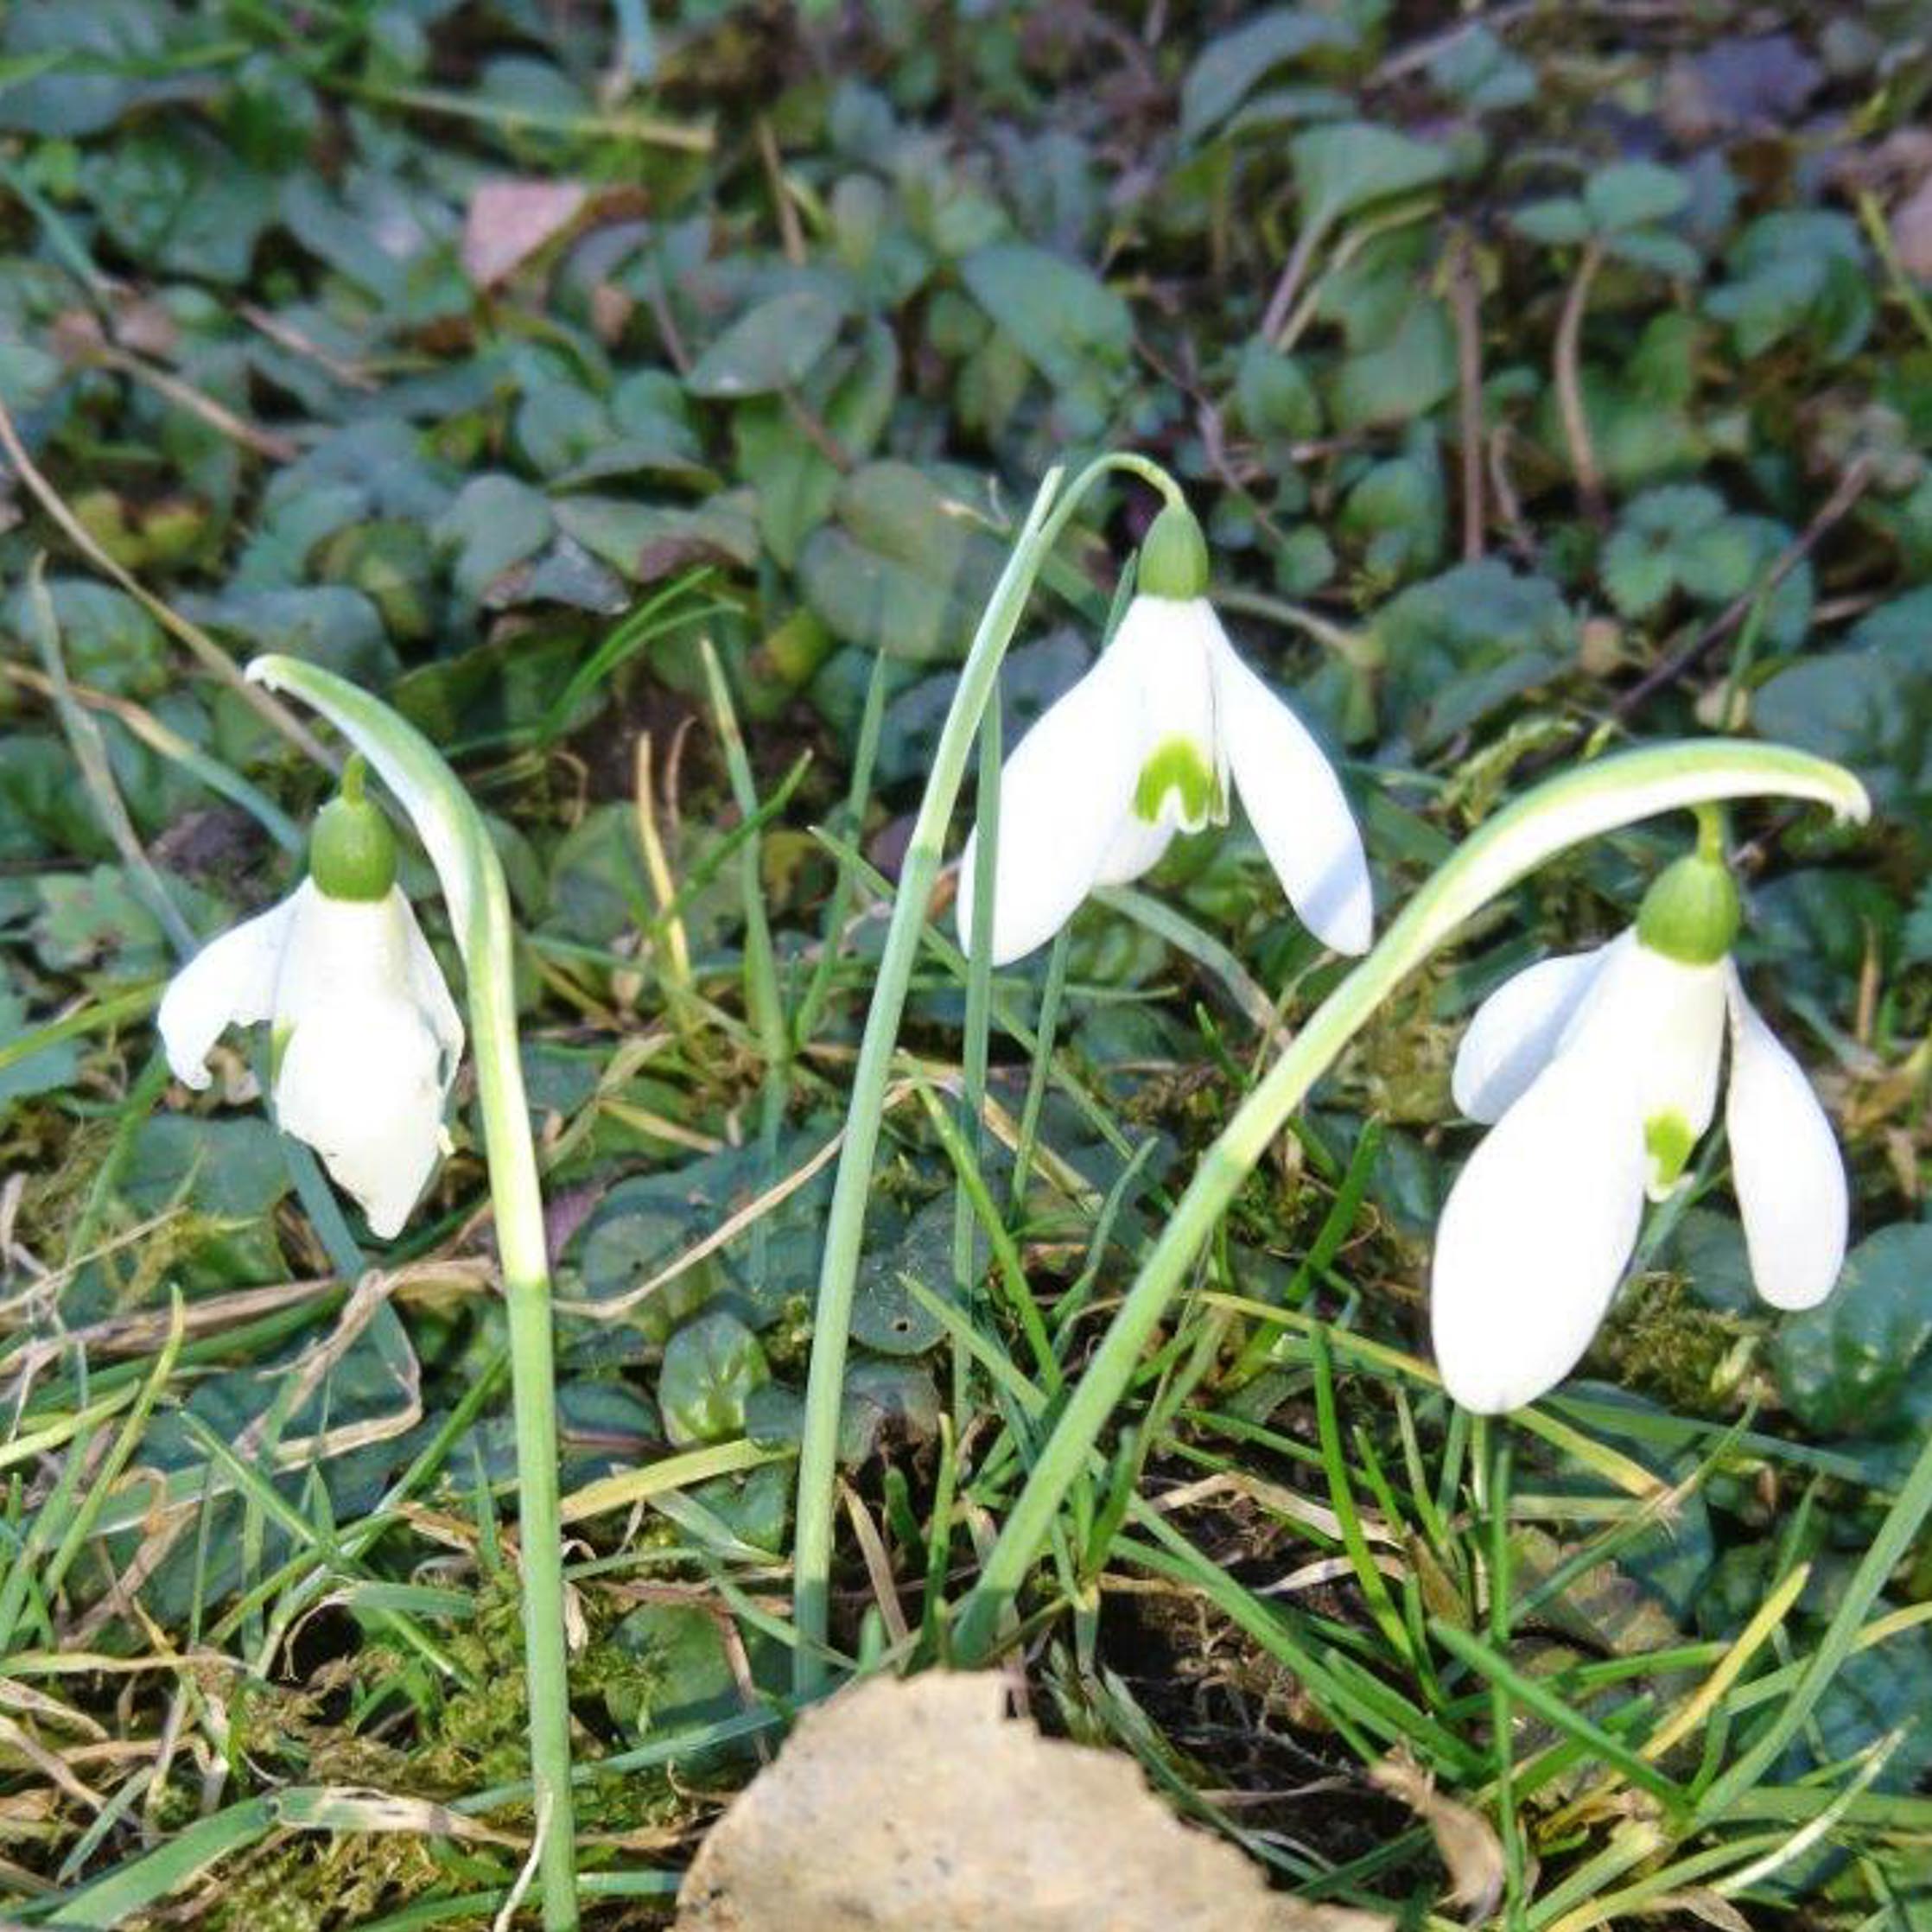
[1179, 766]
[1669, 1140]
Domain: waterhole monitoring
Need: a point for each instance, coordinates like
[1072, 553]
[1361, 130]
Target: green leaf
[1843, 1367]
[1064, 320]
[40, 804]
[1868, 705]
[76, 69]
[795, 478]
[647, 541]
[1343, 168]
[711, 1365]
[495, 522]
[1560, 221]
[905, 568]
[877, 1397]
[1633, 193]
[1637, 577]
[885, 1315]
[1232, 65]
[772, 346]
[1404, 378]
[1480, 71]
[1398, 515]
[1652, 248]
[97, 921]
[108, 641]
[232, 1168]
[685, 1676]
[177, 201]
[1274, 396]
[1463, 643]
[559, 425]
[45, 1071]
[1797, 273]
[329, 625]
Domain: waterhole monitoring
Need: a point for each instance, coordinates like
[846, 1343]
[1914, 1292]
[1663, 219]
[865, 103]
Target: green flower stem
[1559, 813]
[845, 1226]
[452, 833]
[975, 1046]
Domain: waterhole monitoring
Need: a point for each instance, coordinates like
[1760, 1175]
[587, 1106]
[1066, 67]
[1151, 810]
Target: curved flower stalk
[1600, 1073]
[1561, 812]
[838, 1268]
[365, 1037]
[471, 875]
[1154, 740]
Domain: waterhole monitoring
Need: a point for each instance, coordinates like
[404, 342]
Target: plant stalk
[845, 1225]
[452, 832]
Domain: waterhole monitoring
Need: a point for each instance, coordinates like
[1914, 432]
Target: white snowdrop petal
[360, 1081]
[1138, 848]
[430, 991]
[1537, 1234]
[342, 949]
[1515, 1031]
[1166, 645]
[1296, 805]
[230, 983]
[1064, 796]
[1785, 1166]
[1666, 1020]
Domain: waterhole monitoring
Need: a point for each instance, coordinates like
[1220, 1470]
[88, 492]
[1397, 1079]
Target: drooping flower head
[364, 1036]
[1600, 1071]
[1166, 729]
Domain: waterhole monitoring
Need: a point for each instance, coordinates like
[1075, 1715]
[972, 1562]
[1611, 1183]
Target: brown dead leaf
[918, 1803]
[509, 221]
[1897, 172]
[1911, 231]
[1702, 1903]
[1468, 1846]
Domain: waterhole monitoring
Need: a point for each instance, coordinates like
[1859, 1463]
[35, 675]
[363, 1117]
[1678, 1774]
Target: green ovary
[1669, 1141]
[1178, 766]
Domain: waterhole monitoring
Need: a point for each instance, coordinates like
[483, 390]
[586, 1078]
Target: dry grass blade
[1468, 1843]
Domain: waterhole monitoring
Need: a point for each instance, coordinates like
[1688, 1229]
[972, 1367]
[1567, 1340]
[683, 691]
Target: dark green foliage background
[297, 325]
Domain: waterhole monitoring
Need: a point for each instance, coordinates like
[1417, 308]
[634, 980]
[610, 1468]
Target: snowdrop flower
[364, 1036]
[1144, 746]
[1601, 1071]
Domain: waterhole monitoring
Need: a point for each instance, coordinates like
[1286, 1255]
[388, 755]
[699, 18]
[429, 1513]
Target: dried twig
[184, 394]
[1466, 296]
[791, 236]
[1569, 385]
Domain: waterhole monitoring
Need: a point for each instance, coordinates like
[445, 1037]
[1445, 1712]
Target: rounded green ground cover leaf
[1844, 1367]
[711, 1365]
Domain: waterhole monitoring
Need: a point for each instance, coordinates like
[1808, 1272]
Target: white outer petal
[1296, 805]
[1515, 1031]
[341, 949]
[371, 1046]
[230, 983]
[1065, 795]
[430, 992]
[1785, 1164]
[361, 1082]
[1537, 1234]
[1138, 848]
[1667, 1020]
